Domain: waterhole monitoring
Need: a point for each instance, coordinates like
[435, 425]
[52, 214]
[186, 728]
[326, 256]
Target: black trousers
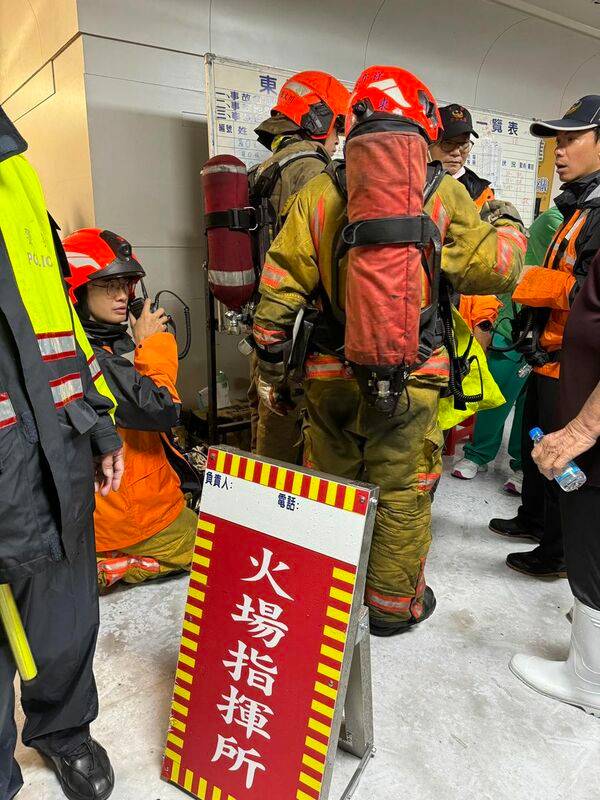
[580, 512]
[59, 608]
[539, 510]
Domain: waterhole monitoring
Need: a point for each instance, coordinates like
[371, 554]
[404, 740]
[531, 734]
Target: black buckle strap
[236, 219]
[417, 230]
[268, 356]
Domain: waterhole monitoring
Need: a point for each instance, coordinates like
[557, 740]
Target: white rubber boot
[577, 680]
[467, 469]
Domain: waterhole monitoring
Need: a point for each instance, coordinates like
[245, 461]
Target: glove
[276, 398]
[501, 212]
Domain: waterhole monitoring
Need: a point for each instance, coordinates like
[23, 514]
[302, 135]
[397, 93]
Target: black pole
[211, 359]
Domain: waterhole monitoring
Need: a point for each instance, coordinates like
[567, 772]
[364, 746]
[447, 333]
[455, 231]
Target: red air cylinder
[385, 173]
[231, 272]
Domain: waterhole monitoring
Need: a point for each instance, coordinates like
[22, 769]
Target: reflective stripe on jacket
[554, 285]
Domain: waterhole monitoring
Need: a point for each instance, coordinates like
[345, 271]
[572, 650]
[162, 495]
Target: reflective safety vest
[561, 256]
[31, 250]
[550, 288]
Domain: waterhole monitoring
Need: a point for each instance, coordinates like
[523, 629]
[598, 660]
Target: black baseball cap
[456, 121]
[584, 115]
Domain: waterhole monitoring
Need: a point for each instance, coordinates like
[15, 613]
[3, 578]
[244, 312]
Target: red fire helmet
[315, 101]
[394, 91]
[94, 253]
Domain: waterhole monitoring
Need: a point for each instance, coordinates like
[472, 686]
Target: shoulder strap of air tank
[435, 175]
[287, 160]
[263, 186]
[336, 170]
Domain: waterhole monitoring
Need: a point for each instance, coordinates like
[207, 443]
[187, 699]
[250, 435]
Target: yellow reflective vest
[54, 417]
[31, 250]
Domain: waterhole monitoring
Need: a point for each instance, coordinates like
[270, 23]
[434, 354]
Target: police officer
[55, 433]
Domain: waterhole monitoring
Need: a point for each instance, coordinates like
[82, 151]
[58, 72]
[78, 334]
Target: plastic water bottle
[572, 478]
[223, 400]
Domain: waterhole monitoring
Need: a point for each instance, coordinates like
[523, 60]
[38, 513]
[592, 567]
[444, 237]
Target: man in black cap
[453, 149]
[548, 291]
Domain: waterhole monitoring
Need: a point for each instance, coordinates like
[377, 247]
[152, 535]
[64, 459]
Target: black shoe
[86, 774]
[514, 529]
[531, 564]
[380, 628]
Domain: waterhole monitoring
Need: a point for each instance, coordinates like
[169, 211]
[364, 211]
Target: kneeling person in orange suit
[146, 530]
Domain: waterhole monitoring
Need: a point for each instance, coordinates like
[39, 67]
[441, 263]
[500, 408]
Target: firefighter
[302, 133]
[55, 431]
[550, 289]
[346, 436]
[146, 530]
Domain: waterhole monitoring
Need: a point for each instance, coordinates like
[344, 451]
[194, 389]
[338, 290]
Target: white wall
[147, 141]
[482, 51]
[144, 86]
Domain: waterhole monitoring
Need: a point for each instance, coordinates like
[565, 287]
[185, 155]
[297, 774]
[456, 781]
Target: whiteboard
[507, 155]
[240, 96]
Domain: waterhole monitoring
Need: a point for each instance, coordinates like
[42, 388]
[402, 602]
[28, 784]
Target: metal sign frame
[352, 720]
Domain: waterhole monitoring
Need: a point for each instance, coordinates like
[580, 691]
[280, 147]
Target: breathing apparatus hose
[456, 371]
[516, 342]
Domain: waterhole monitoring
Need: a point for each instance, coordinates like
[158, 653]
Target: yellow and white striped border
[326, 688]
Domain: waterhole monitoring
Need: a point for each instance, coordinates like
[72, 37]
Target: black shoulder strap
[435, 175]
[61, 256]
[287, 160]
[337, 172]
[263, 186]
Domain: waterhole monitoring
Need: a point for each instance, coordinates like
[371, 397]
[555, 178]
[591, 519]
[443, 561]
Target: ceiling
[581, 15]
